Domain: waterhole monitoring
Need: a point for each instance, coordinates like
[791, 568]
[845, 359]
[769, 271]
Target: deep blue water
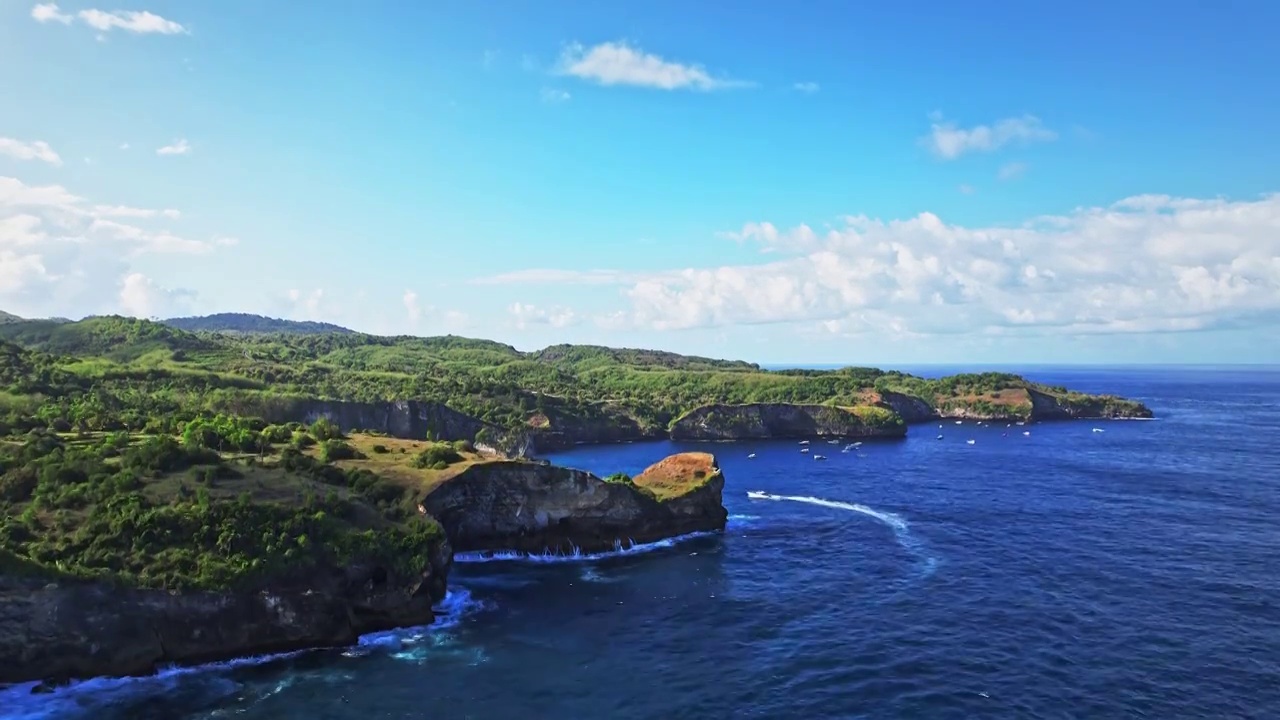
[1128, 573]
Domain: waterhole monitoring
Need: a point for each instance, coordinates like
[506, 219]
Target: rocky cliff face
[535, 508]
[911, 408]
[57, 631]
[1053, 407]
[776, 420]
[402, 418]
[603, 425]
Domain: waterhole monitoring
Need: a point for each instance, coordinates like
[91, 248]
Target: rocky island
[242, 486]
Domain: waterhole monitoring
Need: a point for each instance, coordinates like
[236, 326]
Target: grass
[678, 475]
[396, 465]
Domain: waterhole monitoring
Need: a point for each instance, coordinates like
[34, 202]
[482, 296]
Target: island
[249, 485]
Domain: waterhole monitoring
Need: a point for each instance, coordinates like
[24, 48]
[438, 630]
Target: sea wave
[620, 549]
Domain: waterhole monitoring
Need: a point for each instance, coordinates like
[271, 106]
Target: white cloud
[1011, 171]
[49, 12]
[1146, 263]
[177, 147]
[806, 87]
[554, 95]
[412, 307]
[124, 146]
[140, 22]
[34, 150]
[133, 21]
[966, 189]
[949, 142]
[490, 58]
[524, 315]
[59, 251]
[140, 296]
[618, 63]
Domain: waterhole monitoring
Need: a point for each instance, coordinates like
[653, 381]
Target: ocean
[1064, 573]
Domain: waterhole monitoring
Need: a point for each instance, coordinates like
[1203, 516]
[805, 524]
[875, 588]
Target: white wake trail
[900, 527]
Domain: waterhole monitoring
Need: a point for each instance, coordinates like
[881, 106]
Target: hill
[6, 318]
[119, 372]
[247, 323]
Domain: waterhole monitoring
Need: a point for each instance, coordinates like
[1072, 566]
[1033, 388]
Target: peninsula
[259, 485]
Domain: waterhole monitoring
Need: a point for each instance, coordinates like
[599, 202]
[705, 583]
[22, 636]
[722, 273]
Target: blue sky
[821, 183]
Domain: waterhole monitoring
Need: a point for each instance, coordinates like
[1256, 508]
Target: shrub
[436, 457]
[619, 477]
[381, 449]
[331, 450]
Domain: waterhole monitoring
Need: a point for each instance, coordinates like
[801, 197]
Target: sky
[817, 182]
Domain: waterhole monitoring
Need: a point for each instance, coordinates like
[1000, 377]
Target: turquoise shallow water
[1065, 573]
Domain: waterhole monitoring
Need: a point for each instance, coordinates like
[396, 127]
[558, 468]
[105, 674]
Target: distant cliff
[777, 420]
[533, 507]
[400, 418]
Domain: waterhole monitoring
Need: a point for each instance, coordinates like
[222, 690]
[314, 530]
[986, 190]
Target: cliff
[777, 420]
[410, 419]
[536, 508]
[1071, 406]
[57, 630]
[598, 424]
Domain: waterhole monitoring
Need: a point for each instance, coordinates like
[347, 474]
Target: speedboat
[804, 449]
[752, 456]
[819, 457]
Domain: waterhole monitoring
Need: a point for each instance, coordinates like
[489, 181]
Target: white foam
[901, 529]
[620, 549]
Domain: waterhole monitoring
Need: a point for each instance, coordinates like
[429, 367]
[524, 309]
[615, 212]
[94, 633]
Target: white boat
[971, 442]
[757, 495]
[1099, 430]
[752, 456]
[819, 457]
[959, 422]
[833, 442]
[939, 437]
[1026, 432]
[804, 449]
[804, 442]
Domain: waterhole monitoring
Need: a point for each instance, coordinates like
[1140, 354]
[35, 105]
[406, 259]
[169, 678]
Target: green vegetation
[158, 512]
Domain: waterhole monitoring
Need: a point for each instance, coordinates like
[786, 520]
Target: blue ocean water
[1066, 573]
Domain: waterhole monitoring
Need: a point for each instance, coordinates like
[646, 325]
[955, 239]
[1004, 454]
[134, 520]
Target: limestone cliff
[67, 629]
[410, 419]
[778, 420]
[534, 507]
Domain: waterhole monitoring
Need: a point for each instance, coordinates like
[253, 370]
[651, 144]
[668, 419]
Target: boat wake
[620, 549]
[901, 529]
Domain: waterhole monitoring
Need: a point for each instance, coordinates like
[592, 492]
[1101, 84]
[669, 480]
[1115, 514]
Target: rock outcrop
[1045, 406]
[69, 629]
[778, 420]
[535, 508]
[910, 408]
